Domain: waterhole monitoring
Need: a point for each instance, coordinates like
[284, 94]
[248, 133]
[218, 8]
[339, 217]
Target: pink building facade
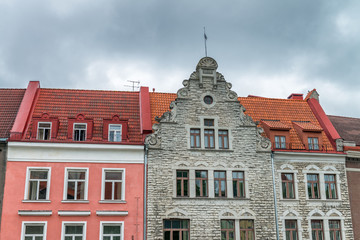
[75, 167]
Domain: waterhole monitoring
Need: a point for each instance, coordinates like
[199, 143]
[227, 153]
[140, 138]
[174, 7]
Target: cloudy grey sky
[266, 48]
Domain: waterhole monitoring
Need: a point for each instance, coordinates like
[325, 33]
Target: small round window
[208, 99]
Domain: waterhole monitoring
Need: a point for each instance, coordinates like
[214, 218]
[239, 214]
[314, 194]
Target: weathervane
[205, 38]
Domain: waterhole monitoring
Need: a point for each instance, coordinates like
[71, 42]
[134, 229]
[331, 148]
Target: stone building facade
[209, 167]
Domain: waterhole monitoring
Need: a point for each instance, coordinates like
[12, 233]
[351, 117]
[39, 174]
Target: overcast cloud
[266, 48]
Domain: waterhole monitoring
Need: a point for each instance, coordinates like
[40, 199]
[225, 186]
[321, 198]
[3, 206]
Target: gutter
[146, 148]
[275, 200]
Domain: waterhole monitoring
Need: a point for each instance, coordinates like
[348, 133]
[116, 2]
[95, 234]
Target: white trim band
[74, 213]
[112, 213]
[35, 212]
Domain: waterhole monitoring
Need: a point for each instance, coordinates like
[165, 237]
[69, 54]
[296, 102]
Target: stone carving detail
[194, 75]
[207, 62]
[246, 120]
[154, 140]
[184, 92]
[228, 85]
[263, 143]
[232, 95]
[339, 145]
[220, 77]
[185, 83]
[168, 116]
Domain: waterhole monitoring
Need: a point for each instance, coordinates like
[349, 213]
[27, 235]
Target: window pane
[113, 175]
[34, 229]
[73, 229]
[71, 190]
[38, 174]
[112, 229]
[76, 175]
[117, 189]
[80, 190]
[108, 191]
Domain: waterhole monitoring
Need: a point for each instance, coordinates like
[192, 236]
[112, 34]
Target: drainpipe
[146, 148]
[275, 200]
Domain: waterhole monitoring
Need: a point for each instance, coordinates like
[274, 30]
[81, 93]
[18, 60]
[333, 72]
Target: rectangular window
[227, 229]
[38, 184]
[220, 183]
[209, 122]
[176, 229]
[79, 131]
[115, 132]
[73, 231]
[195, 138]
[313, 186]
[238, 184]
[209, 138]
[182, 183]
[201, 181]
[113, 184]
[76, 184]
[317, 231]
[335, 229]
[223, 139]
[247, 230]
[111, 231]
[280, 142]
[44, 131]
[34, 231]
[291, 230]
[288, 189]
[330, 186]
[313, 143]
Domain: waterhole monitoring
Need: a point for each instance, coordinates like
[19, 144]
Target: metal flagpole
[205, 38]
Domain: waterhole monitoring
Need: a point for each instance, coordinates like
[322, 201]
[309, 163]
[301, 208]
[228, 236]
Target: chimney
[296, 96]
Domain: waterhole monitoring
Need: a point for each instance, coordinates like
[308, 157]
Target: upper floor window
[330, 186]
[115, 132]
[79, 131]
[209, 122]
[227, 229]
[37, 184]
[238, 184]
[176, 229]
[34, 231]
[280, 142]
[201, 183]
[313, 143]
[113, 181]
[182, 183]
[111, 231]
[209, 138]
[291, 231]
[76, 184]
[220, 183]
[288, 188]
[223, 139]
[44, 131]
[313, 186]
[195, 138]
[247, 230]
[317, 230]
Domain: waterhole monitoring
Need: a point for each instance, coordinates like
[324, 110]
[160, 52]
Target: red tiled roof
[160, 103]
[10, 100]
[93, 104]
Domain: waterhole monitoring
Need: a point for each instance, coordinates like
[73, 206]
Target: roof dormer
[310, 134]
[278, 133]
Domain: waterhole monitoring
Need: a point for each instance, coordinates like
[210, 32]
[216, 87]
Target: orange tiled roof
[93, 104]
[10, 100]
[285, 110]
[308, 126]
[275, 124]
[160, 103]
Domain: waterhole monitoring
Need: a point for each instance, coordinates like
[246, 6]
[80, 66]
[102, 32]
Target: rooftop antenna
[205, 38]
[135, 85]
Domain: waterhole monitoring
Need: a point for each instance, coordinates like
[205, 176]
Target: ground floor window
[291, 230]
[74, 231]
[335, 229]
[247, 230]
[33, 231]
[111, 231]
[176, 229]
[317, 230]
[227, 229]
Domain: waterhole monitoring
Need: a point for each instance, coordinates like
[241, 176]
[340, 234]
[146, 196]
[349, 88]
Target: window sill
[36, 201]
[212, 198]
[289, 200]
[112, 201]
[75, 201]
[210, 150]
[324, 200]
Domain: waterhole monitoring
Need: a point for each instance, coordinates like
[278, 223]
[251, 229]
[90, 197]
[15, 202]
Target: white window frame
[26, 193]
[64, 223]
[24, 223]
[121, 131]
[325, 218]
[122, 185]
[121, 223]
[67, 169]
[38, 127]
[292, 215]
[286, 168]
[312, 169]
[245, 215]
[81, 129]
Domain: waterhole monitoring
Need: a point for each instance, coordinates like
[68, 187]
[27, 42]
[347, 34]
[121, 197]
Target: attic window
[115, 132]
[313, 143]
[79, 131]
[44, 131]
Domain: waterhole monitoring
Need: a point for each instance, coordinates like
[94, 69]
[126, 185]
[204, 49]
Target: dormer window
[44, 131]
[280, 142]
[115, 132]
[313, 143]
[79, 131]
